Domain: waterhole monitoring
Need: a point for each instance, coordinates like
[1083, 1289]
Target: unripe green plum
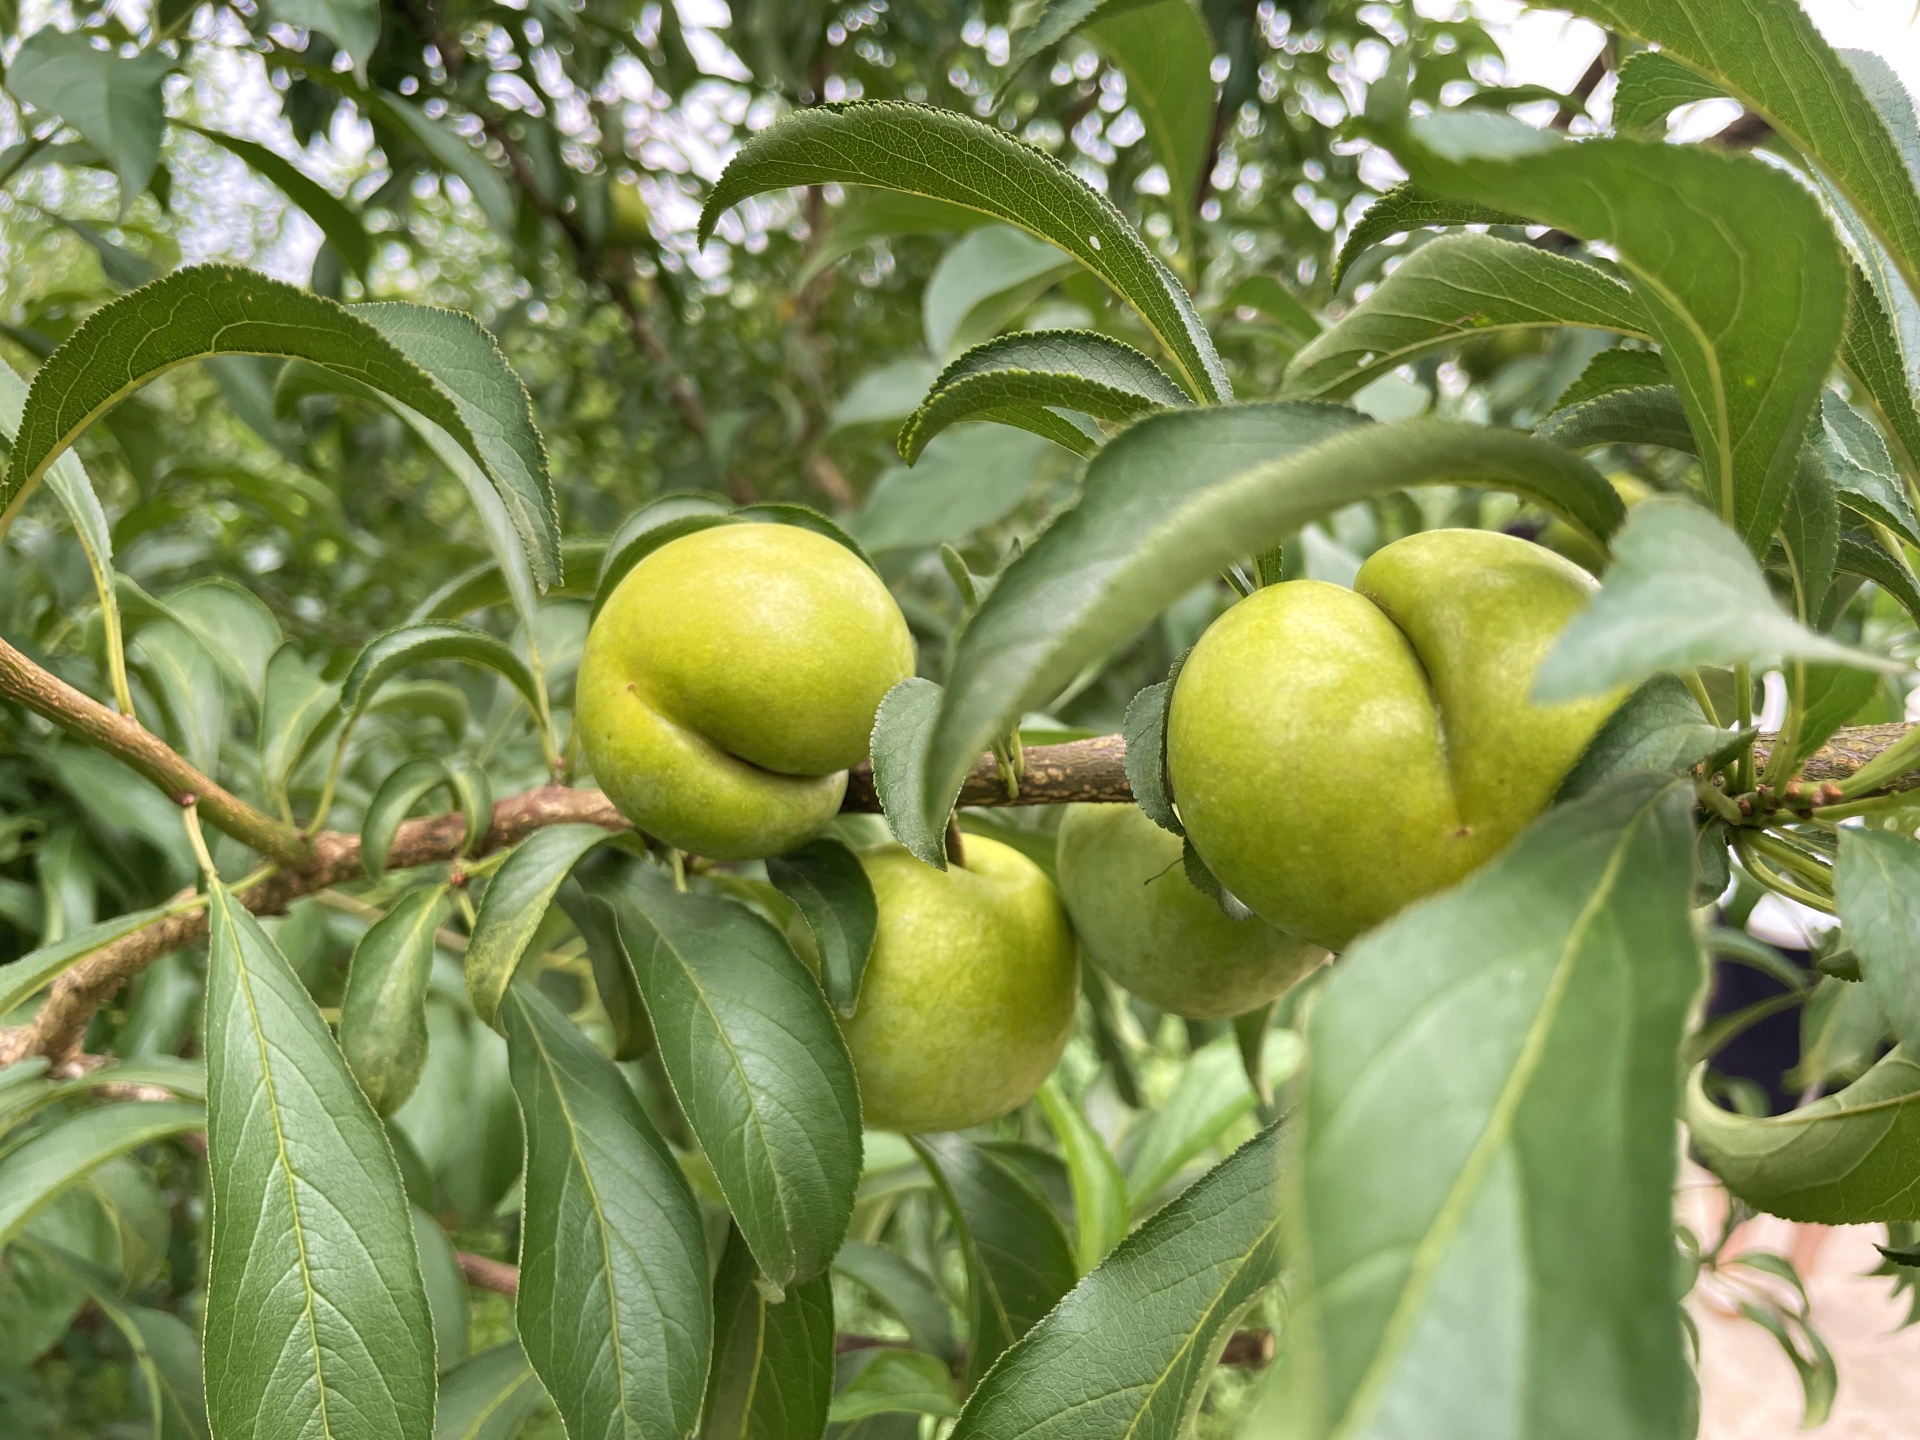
[730, 680]
[969, 994]
[1335, 754]
[1142, 922]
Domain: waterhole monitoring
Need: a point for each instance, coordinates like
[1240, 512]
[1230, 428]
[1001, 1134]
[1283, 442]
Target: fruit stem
[1773, 879]
[1700, 696]
[1780, 759]
[1743, 715]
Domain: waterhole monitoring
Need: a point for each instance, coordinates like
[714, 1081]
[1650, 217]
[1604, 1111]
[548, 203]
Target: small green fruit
[969, 994]
[730, 680]
[1335, 754]
[1142, 922]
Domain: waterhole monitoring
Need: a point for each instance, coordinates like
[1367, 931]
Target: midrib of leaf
[1722, 423]
[1160, 1380]
[495, 1405]
[600, 1214]
[286, 1162]
[733, 1058]
[1429, 1254]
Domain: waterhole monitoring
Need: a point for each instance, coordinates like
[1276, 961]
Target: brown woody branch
[85, 718]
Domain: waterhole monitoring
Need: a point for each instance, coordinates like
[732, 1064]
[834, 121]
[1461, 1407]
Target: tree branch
[85, 718]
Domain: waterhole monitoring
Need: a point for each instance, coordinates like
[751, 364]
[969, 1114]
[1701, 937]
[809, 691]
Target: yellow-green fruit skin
[1142, 922]
[730, 680]
[1336, 754]
[969, 994]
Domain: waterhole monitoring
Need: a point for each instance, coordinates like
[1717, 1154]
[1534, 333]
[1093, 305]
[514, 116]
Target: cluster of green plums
[1334, 754]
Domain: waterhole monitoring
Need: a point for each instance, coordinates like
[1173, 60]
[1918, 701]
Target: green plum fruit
[730, 680]
[970, 992]
[1142, 922]
[1335, 754]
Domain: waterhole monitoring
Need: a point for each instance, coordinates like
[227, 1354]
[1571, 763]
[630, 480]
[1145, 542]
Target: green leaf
[516, 901]
[758, 1064]
[218, 310]
[1658, 730]
[1870, 351]
[1480, 1233]
[341, 225]
[446, 1288]
[1406, 208]
[1652, 86]
[1100, 1208]
[315, 1306]
[1627, 415]
[1144, 729]
[1129, 1351]
[1772, 60]
[1748, 370]
[983, 282]
[898, 1382]
[867, 215]
[1863, 474]
[495, 416]
[967, 478]
[409, 783]
[353, 25]
[947, 156]
[902, 730]
[1210, 1095]
[1845, 1159]
[1877, 884]
[1166, 54]
[772, 1376]
[446, 148]
[41, 1166]
[1865, 558]
[23, 978]
[489, 1396]
[1810, 535]
[392, 651]
[1278, 304]
[383, 1014]
[112, 100]
[1249, 474]
[1682, 591]
[905, 1289]
[1019, 1262]
[1454, 289]
[1072, 369]
[614, 1309]
[829, 884]
[1830, 696]
[487, 584]
[654, 524]
[297, 712]
[189, 681]
[1612, 370]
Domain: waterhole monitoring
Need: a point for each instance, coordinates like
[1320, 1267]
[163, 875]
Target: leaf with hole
[758, 1064]
[947, 156]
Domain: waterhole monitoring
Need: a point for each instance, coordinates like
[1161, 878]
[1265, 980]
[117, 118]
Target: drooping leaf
[1131, 1347]
[1846, 1159]
[297, 712]
[36, 1170]
[353, 25]
[340, 224]
[1877, 884]
[758, 1064]
[111, 99]
[1278, 304]
[1871, 353]
[614, 1308]
[1829, 696]
[1748, 372]
[392, 651]
[190, 683]
[1864, 476]
[1210, 1095]
[1454, 289]
[772, 1376]
[314, 1299]
[1144, 728]
[489, 1396]
[1479, 1226]
[613, 976]
[953, 157]
[21, 979]
[1100, 1208]
[1134, 544]
[868, 214]
[1405, 208]
[826, 880]
[1773, 61]
[1072, 369]
[516, 901]
[1682, 591]
[1652, 86]
[1612, 370]
[211, 310]
[450, 150]
[1810, 535]
[1658, 730]
[383, 1015]
[1626, 415]
[905, 1289]
[1864, 557]
[898, 1382]
[988, 277]
[1019, 1261]
[902, 731]
[487, 584]
[409, 783]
